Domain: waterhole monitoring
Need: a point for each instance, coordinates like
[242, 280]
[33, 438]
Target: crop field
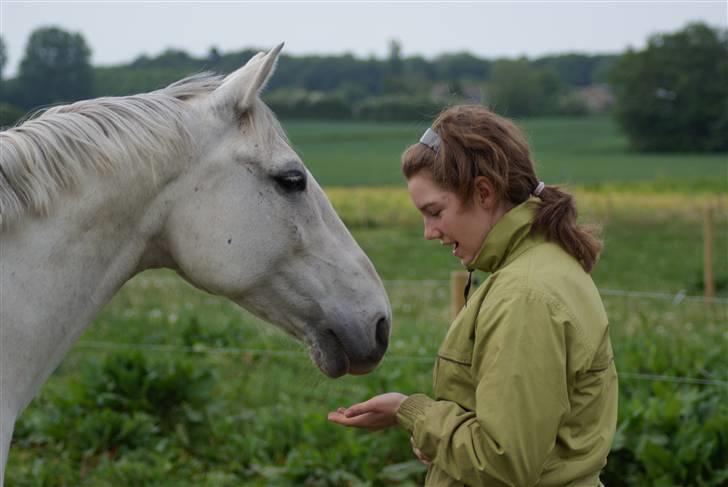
[171, 386]
[585, 151]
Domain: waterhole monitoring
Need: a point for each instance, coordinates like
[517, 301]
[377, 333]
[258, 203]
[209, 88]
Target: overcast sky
[118, 32]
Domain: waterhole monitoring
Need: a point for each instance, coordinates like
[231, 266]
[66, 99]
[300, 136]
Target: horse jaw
[345, 325]
[325, 349]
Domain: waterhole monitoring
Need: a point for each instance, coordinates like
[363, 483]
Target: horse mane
[56, 147]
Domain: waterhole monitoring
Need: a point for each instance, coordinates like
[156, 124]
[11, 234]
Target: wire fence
[203, 349]
[677, 298]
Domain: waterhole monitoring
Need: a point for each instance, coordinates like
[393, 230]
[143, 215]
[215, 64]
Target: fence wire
[149, 347]
[200, 349]
[677, 298]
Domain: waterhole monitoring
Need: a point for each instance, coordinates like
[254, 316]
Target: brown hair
[477, 142]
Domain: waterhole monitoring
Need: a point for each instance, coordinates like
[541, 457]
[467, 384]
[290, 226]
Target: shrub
[9, 115]
[126, 403]
[397, 107]
[673, 96]
[293, 104]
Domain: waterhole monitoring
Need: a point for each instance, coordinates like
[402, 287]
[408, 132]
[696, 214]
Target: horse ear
[241, 87]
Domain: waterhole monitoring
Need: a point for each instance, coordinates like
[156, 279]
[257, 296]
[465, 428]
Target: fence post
[708, 282]
[457, 291]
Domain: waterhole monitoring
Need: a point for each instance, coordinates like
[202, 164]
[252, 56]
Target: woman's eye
[291, 181]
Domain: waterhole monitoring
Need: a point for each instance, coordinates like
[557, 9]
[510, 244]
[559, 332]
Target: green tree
[169, 59]
[213, 59]
[393, 80]
[55, 68]
[673, 95]
[420, 68]
[461, 65]
[3, 57]
[395, 57]
[576, 69]
[518, 89]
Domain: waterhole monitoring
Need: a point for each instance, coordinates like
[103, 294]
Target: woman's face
[463, 227]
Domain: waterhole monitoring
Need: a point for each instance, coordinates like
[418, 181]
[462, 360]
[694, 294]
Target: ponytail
[556, 220]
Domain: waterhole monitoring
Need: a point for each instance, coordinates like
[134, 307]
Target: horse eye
[291, 181]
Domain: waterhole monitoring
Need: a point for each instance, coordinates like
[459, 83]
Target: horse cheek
[220, 247]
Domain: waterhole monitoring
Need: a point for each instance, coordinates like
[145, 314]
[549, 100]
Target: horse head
[248, 221]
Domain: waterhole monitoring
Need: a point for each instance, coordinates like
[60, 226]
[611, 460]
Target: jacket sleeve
[519, 369]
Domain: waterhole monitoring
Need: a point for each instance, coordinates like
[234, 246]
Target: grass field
[653, 242]
[171, 386]
[585, 151]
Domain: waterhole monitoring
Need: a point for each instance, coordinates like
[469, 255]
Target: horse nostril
[382, 333]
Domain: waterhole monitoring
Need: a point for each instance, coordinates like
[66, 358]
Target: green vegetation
[587, 151]
[652, 242]
[670, 97]
[323, 87]
[171, 386]
[518, 89]
[55, 67]
[673, 95]
[3, 56]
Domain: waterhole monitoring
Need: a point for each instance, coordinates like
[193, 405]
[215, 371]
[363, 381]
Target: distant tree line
[56, 68]
[677, 84]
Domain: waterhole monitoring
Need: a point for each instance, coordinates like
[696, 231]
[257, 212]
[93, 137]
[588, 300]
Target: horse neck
[57, 273]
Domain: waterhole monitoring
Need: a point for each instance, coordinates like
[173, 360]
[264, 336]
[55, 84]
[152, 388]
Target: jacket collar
[508, 238]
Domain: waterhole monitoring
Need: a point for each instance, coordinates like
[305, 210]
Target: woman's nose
[431, 232]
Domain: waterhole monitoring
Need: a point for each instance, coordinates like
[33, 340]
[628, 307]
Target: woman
[525, 387]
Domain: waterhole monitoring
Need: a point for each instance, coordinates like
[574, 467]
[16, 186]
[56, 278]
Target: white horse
[197, 177]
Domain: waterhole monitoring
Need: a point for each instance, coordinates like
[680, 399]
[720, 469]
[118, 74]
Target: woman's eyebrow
[427, 206]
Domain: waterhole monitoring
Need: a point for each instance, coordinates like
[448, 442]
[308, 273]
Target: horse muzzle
[346, 350]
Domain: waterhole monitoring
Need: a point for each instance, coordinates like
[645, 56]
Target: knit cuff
[412, 407]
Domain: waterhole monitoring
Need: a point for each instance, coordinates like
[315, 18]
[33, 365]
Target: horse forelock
[263, 117]
[53, 150]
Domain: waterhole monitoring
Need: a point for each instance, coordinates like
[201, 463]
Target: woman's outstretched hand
[377, 413]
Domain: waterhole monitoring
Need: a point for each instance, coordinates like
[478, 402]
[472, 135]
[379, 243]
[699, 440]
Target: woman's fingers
[349, 412]
[358, 409]
[387, 403]
[334, 416]
[376, 413]
[339, 416]
[422, 457]
[360, 421]
[354, 410]
[418, 453]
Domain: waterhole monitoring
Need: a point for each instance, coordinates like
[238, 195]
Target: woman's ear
[484, 193]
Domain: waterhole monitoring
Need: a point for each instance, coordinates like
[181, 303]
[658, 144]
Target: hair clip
[430, 139]
[539, 188]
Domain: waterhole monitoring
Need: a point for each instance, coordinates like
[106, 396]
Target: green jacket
[525, 384]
